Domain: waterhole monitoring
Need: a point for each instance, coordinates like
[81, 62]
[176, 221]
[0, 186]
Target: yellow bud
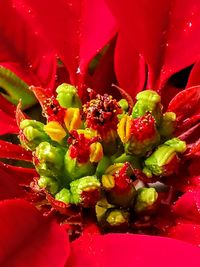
[72, 119]
[108, 181]
[55, 131]
[124, 128]
[88, 133]
[114, 168]
[96, 152]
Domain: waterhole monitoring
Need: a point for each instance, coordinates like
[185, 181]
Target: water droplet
[190, 24]
[167, 44]
[78, 70]
[29, 11]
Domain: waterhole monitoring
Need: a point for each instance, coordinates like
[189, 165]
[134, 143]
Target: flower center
[95, 155]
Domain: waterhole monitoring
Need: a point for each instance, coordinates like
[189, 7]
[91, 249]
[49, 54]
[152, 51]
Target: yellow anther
[55, 131]
[96, 152]
[124, 128]
[72, 119]
[114, 168]
[88, 133]
[108, 181]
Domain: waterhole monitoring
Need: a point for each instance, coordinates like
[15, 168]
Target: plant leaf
[15, 88]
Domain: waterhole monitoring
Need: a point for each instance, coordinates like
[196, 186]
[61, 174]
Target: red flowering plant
[120, 158]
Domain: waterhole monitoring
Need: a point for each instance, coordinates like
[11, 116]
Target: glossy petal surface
[24, 51]
[33, 241]
[131, 250]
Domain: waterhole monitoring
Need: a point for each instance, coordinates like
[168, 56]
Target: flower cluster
[99, 163]
[104, 154]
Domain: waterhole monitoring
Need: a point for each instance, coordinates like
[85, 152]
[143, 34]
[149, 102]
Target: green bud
[159, 161]
[123, 104]
[75, 170]
[117, 217]
[64, 195]
[148, 101]
[34, 134]
[178, 145]
[48, 183]
[146, 197]
[82, 190]
[67, 96]
[50, 160]
[168, 124]
[101, 207]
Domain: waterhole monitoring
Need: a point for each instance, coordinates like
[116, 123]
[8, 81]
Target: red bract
[7, 114]
[77, 29]
[24, 51]
[163, 34]
[131, 250]
[155, 40]
[187, 226]
[34, 241]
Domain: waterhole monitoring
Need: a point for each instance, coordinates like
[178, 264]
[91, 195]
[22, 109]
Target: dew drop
[78, 70]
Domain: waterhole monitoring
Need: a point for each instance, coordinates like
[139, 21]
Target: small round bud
[32, 134]
[48, 183]
[117, 217]
[146, 197]
[148, 101]
[67, 96]
[64, 195]
[163, 161]
[49, 160]
[168, 124]
[85, 191]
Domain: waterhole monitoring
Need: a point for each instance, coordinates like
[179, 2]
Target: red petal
[20, 175]
[28, 239]
[194, 78]
[9, 187]
[188, 206]
[77, 29]
[104, 74]
[24, 51]
[131, 250]
[166, 33]
[7, 124]
[186, 104]
[187, 232]
[129, 66]
[11, 151]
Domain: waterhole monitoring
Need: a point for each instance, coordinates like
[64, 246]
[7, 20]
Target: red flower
[155, 40]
